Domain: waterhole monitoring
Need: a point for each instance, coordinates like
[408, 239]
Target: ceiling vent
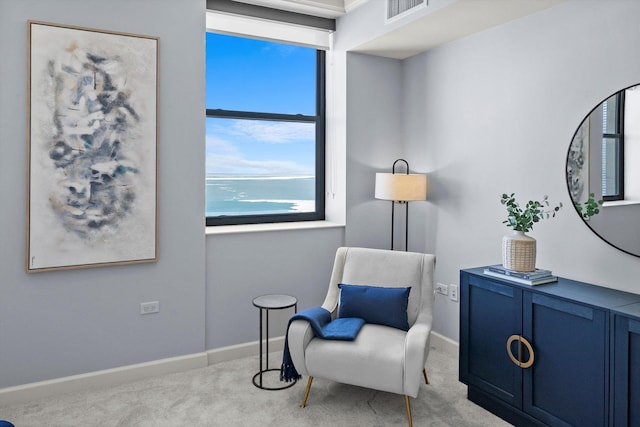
[399, 8]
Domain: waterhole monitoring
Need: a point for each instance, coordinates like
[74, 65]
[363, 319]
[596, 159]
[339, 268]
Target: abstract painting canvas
[92, 148]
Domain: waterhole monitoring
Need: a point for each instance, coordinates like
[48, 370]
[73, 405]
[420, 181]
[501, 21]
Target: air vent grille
[399, 7]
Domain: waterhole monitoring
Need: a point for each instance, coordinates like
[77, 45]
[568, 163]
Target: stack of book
[536, 277]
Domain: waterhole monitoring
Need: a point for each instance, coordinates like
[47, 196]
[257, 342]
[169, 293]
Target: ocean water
[259, 195]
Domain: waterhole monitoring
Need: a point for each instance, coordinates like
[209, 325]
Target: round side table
[266, 303]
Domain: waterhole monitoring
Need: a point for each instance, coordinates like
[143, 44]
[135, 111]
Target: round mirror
[603, 170]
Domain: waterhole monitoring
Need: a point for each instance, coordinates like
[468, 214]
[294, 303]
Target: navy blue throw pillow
[375, 304]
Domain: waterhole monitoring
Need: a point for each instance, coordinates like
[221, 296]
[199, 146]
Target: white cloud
[274, 132]
[234, 164]
[224, 158]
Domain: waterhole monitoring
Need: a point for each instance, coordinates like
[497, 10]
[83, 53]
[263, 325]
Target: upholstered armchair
[381, 357]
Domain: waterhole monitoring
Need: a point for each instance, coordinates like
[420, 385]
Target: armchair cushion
[373, 360]
[375, 304]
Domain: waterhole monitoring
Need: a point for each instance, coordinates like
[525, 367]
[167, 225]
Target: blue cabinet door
[566, 385]
[626, 372]
[490, 313]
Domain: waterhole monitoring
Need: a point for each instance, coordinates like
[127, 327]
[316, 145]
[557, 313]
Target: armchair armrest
[416, 349]
[299, 334]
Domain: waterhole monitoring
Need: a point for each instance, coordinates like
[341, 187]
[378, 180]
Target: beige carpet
[223, 395]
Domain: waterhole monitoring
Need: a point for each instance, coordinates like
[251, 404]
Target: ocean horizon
[228, 195]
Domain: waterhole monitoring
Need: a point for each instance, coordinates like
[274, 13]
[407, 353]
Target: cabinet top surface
[576, 291]
[632, 310]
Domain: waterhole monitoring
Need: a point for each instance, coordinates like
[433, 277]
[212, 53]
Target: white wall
[243, 266]
[374, 135]
[499, 110]
[491, 113]
[68, 322]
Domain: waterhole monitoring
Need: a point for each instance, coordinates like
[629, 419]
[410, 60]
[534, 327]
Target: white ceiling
[459, 19]
[446, 24]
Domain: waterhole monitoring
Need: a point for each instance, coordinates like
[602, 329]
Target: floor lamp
[401, 188]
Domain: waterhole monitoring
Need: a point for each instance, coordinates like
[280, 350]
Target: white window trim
[625, 202]
[278, 226]
[268, 30]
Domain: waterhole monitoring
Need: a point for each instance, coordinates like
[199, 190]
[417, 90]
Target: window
[613, 147]
[265, 130]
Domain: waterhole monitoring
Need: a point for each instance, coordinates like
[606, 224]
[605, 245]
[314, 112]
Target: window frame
[618, 136]
[320, 121]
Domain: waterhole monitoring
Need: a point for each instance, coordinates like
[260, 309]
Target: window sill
[280, 226]
[621, 203]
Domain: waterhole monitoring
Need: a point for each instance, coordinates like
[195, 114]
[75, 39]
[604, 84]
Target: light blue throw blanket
[345, 329]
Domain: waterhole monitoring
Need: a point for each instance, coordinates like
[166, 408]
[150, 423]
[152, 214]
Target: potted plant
[588, 208]
[518, 249]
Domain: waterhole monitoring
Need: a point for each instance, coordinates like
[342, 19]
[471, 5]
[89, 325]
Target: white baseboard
[239, 351]
[105, 378]
[445, 344]
[110, 377]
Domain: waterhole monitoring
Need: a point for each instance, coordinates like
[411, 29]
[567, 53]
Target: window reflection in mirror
[613, 147]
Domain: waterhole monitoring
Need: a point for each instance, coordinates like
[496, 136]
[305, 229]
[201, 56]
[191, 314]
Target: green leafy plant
[523, 219]
[588, 208]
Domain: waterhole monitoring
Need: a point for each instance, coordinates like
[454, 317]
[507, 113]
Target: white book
[538, 281]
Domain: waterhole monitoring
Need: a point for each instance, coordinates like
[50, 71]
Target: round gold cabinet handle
[515, 360]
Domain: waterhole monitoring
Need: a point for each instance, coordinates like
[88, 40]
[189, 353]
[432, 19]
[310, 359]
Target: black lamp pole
[393, 208]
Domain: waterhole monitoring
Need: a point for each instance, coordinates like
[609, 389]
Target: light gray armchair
[381, 357]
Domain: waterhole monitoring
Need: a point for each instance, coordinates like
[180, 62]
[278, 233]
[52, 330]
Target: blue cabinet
[626, 367]
[538, 355]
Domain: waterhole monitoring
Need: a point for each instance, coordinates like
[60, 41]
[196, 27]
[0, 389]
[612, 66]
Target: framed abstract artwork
[92, 98]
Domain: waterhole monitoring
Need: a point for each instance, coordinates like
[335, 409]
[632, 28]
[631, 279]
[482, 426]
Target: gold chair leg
[426, 380]
[408, 405]
[306, 392]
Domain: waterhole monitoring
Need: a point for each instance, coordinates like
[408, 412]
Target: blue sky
[260, 76]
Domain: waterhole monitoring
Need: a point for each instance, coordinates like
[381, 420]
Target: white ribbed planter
[519, 252]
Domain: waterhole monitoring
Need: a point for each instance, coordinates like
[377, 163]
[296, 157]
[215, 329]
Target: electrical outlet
[149, 307]
[441, 288]
[453, 292]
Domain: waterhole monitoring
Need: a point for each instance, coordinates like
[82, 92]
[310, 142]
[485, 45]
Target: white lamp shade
[401, 187]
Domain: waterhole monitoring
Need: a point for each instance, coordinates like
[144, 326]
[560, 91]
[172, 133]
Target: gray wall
[243, 266]
[68, 322]
[491, 113]
[499, 110]
[375, 140]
